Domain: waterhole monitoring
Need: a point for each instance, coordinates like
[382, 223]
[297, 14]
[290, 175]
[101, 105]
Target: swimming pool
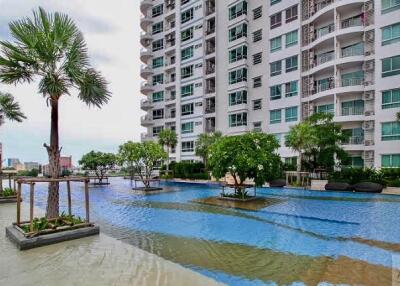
[302, 238]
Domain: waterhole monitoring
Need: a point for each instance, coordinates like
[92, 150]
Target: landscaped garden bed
[8, 196]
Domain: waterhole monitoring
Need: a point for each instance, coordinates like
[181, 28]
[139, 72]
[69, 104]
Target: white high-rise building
[237, 66]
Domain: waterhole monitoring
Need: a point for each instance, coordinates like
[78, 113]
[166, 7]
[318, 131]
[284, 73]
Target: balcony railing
[352, 82]
[324, 31]
[354, 140]
[320, 87]
[353, 51]
[324, 58]
[351, 22]
[319, 5]
[210, 109]
[348, 111]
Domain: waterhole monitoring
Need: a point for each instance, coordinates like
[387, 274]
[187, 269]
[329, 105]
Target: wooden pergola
[11, 175]
[32, 181]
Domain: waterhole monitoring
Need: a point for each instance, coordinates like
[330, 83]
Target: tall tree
[98, 162]
[168, 139]
[50, 48]
[203, 144]
[10, 110]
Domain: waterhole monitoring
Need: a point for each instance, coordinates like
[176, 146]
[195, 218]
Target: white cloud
[111, 30]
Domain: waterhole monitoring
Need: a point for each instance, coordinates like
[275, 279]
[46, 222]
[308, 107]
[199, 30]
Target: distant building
[13, 162]
[29, 166]
[65, 164]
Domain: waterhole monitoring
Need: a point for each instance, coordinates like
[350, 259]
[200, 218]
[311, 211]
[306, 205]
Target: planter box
[7, 200]
[318, 185]
[248, 199]
[24, 243]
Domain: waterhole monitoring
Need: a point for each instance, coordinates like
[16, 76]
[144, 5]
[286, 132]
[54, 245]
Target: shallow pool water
[303, 238]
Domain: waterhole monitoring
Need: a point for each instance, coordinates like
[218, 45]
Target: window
[275, 116]
[257, 13]
[276, 44]
[188, 146]
[291, 114]
[187, 109]
[276, 20]
[158, 62]
[158, 113]
[275, 2]
[391, 66]
[257, 104]
[238, 119]
[157, 28]
[238, 54]
[257, 126]
[291, 14]
[238, 97]
[353, 107]
[187, 53]
[291, 38]
[353, 78]
[158, 79]
[325, 108]
[157, 130]
[291, 64]
[157, 10]
[391, 161]
[291, 88]
[187, 15]
[276, 68]
[187, 34]
[238, 32]
[390, 34]
[257, 82]
[187, 72]
[158, 96]
[276, 92]
[391, 98]
[237, 76]
[257, 35]
[238, 10]
[257, 58]
[390, 5]
[187, 90]
[187, 127]
[158, 45]
[356, 162]
[390, 131]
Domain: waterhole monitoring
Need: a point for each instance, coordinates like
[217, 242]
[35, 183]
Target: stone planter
[248, 199]
[8, 200]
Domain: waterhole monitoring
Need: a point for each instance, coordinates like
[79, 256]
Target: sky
[112, 31]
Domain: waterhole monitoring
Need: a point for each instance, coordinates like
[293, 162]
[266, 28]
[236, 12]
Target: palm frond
[93, 88]
[10, 109]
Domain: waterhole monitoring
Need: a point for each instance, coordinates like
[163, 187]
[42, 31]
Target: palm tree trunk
[1, 172]
[53, 151]
[299, 167]
[168, 150]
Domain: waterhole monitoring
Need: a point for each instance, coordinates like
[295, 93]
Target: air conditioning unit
[368, 125]
[369, 96]
[369, 113]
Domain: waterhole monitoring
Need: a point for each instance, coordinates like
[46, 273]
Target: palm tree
[167, 138]
[50, 48]
[9, 109]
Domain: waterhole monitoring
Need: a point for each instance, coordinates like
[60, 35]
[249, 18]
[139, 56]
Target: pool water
[303, 238]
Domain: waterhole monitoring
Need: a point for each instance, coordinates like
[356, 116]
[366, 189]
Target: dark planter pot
[279, 183]
[368, 187]
[343, 187]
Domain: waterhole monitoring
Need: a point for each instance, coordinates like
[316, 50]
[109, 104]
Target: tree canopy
[98, 162]
[9, 109]
[248, 156]
[169, 139]
[126, 157]
[143, 157]
[203, 144]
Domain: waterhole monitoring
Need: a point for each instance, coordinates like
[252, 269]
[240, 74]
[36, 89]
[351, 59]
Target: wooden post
[19, 203]
[87, 200]
[69, 197]
[15, 182]
[31, 202]
[9, 181]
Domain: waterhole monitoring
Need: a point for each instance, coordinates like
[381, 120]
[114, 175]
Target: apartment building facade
[238, 66]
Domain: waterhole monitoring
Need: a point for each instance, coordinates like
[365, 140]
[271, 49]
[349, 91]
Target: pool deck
[97, 260]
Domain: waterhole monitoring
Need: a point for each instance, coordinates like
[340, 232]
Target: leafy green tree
[50, 48]
[144, 157]
[126, 157]
[204, 142]
[249, 156]
[168, 139]
[98, 162]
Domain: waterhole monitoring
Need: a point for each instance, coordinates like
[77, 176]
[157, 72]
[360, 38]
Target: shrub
[386, 177]
[7, 192]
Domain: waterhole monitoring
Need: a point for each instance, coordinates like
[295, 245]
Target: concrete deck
[98, 260]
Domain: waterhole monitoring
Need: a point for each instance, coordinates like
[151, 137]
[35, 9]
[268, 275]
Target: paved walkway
[98, 260]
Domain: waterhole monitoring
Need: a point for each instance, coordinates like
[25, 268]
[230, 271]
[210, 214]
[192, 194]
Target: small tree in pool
[145, 156]
[98, 162]
[126, 157]
[249, 156]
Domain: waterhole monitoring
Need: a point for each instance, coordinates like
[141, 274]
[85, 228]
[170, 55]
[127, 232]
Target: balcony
[146, 88]
[319, 5]
[349, 111]
[146, 104]
[146, 71]
[145, 5]
[324, 58]
[354, 140]
[323, 86]
[145, 55]
[351, 22]
[353, 51]
[319, 33]
[146, 120]
[144, 137]
[351, 82]
[145, 21]
[145, 39]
